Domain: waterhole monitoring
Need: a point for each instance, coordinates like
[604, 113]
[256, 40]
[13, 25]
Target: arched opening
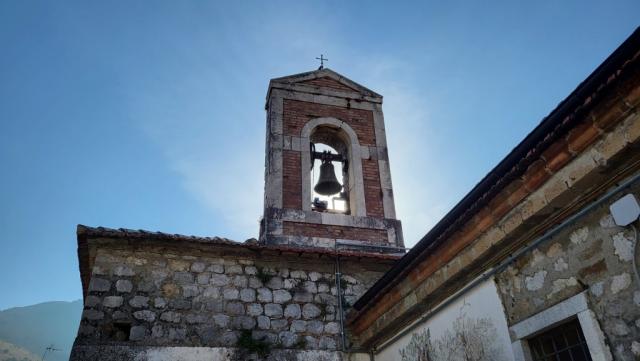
[320, 201]
[334, 135]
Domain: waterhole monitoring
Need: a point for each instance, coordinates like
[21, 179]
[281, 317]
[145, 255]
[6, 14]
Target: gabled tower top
[320, 123]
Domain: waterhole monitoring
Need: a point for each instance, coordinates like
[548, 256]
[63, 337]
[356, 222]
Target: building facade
[531, 264]
[535, 263]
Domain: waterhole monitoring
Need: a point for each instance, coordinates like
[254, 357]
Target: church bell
[327, 182]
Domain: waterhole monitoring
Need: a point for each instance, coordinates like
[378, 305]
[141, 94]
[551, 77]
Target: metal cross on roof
[322, 60]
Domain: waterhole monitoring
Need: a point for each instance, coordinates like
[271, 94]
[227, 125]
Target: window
[562, 343]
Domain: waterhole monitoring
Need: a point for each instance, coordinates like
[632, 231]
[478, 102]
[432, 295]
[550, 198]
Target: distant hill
[35, 327]
[11, 352]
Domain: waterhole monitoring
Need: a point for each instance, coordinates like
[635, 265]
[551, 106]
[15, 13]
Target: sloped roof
[308, 78]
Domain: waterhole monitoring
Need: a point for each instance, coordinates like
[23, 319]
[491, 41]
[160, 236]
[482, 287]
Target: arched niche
[340, 136]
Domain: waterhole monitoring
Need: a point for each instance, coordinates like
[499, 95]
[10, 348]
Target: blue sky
[151, 114]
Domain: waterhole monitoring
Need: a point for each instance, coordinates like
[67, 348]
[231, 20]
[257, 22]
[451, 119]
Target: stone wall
[592, 254]
[152, 296]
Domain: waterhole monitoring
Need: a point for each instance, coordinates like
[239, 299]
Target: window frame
[573, 307]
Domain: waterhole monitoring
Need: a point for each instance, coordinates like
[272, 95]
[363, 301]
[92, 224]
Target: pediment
[326, 78]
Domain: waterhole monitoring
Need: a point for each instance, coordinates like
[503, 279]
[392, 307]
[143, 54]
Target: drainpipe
[339, 297]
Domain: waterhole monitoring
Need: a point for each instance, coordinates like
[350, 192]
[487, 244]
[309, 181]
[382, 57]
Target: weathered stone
[211, 292]
[219, 280]
[254, 282]
[99, 285]
[264, 322]
[265, 295]
[254, 309]
[302, 296]
[216, 268]
[283, 272]
[157, 331]
[292, 311]
[536, 281]
[309, 310]
[349, 279]
[196, 318]
[92, 315]
[92, 301]
[230, 293]
[314, 276]
[310, 287]
[139, 302]
[235, 308]
[203, 278]
[145, 315]
[311, 343]
[221, 320]
[323, 287]
[119, 315]
[198, 267]
[183, 278]
[579, 235]
[298, 274]
[596, 289]
[332, 328]
[240, 281]
[275, 283]
[146, 286]
[124, 286]
[214, 305]
[177, 334]
[287, 338]
[207, 334]
[281, 296]
[555, 250]
[327, 343]
[189, 291]
[619, 328]
[178, 265]
[279, 324]
[623, 247]
[157, 276]
[290, 283]
[636, 298]
[137, 333]
[561, 284]
[315, 327]
[250, 270]
[112, 301]
[248, 295]
[298, 326]
[170, 316]
[273, 310]
[180, 304]
[233, 269]
[123, 271]
[620, 282]
[560, 265]
[229, 338]
[244, 322]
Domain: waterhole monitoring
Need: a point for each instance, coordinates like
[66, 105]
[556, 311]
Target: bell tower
[327, 179]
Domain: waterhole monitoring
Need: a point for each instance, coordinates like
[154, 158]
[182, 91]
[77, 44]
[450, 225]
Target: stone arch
[348, 141]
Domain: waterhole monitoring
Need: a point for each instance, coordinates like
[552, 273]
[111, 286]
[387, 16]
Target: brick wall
[297, 113]
[372, 188]
[335, 232]
[292, 180]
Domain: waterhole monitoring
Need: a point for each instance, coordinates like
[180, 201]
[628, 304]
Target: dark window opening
[562, 343]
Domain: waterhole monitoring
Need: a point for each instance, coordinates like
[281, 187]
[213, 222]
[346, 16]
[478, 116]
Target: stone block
[137, 333]
[170, 316]
[145, 315]
[203, 278]
[265, 295]
[124, 286]
[122, 270]
[264, 322]
[233, 269]
[309, 310]
[298, 326]
[281, 296]
[112, 301]
[219, 280]
[235, 308]
[292, 310]
[92, 301]
[273, 310]
[198, 267]
[139, 302]
[254, 309]
[315, 327]
[99, 285]
[92, 315]
[221, 321]
[183, 278]
[230, 294]
[248, 295]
